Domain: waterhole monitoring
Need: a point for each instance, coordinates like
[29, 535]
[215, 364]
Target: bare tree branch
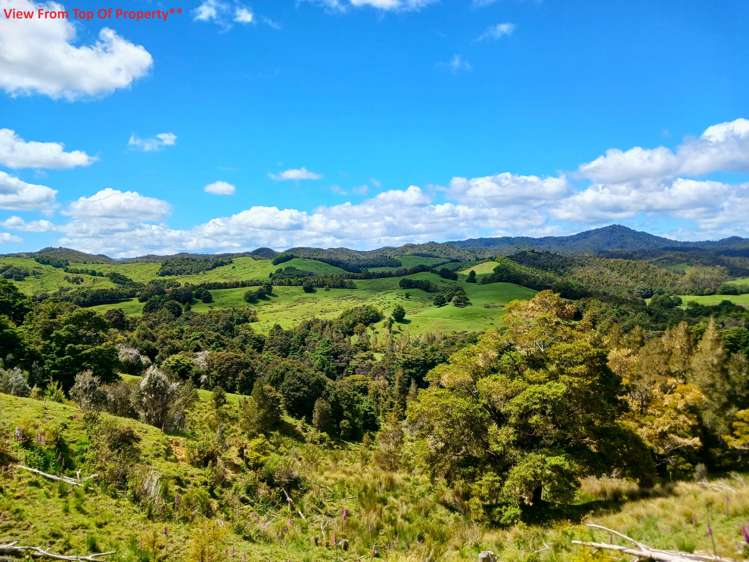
[66, 479]
[14, 549]
[643, 552]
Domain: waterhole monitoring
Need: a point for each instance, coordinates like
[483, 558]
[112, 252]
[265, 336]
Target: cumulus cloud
[18, 153]
[127, 224]
[721, 147]
[154, 143]
[220, 188]
[7, 238]
[19, 224]
[296, 174]
[625, 200]
[506, 187]
[17, 195]
[390, 217]
[112, 203]
[40, 56]
[497, 31]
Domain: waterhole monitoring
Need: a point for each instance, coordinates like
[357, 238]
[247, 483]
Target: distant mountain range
[614, 240]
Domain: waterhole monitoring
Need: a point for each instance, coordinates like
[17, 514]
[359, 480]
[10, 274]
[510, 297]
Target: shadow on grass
[547, 513]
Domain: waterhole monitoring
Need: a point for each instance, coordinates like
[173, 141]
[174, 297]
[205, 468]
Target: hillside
[339, 496]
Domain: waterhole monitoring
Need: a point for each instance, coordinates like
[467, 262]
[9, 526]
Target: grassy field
[45, 278]
[401, 514]
[412, 261]
[482, 268]
[739, 281]
[742, 300]
[291, 305]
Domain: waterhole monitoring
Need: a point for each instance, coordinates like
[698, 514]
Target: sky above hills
[364, 123]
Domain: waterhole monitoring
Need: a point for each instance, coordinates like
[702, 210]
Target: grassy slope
[46, 278]
[399, 512]
[242, 268]
[291, 305]
[411, 261]
[742, 300]
[482, 268]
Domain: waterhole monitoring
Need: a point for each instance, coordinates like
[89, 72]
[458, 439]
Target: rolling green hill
[742, 300]
[291, 305]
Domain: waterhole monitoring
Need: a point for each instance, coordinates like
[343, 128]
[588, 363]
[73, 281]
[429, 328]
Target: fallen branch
[293, 505]
[66, 479]
[14, 549]
[643, 552]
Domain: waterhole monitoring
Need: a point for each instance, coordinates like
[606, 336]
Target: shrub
[131, 360]
[399, 313]
[54, 392]
[14, 381]
[87, 392]
[203, 452]
[261, 412]
[114, 451]
[161, 402]
[209, 543]
[121, 399]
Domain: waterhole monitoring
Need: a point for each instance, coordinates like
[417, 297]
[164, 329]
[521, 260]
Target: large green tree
[66, 340]
[524, 414]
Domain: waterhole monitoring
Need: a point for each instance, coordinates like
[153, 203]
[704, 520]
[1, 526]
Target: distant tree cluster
[13, 272]
[254, 295]
[190, 265]
[423, 284]
[59, 263]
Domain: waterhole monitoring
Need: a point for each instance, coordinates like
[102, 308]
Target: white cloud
[127, 224]
[112, 203]
[456, 64]
[17, 223]
[383, 5]
[17, 195]
[243, 15]
[17, 153]
[208, 11]
[7, 238]
[224, 13]
[154, 143]
[391, 217]
[504, 188]
[220, 188]
[497, 31]
[40, 56]
[296, 174]
[721, 147]
[634, 164]
[680, 197]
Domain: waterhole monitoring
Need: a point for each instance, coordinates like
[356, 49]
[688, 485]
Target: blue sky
[365, 123]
